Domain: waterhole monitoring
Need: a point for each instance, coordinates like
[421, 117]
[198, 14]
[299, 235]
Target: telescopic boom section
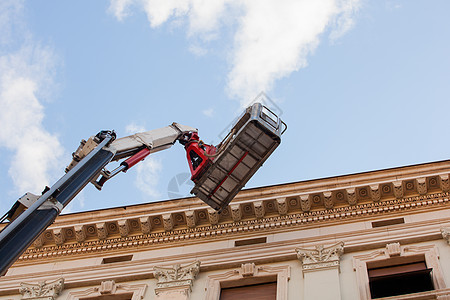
[219, 172]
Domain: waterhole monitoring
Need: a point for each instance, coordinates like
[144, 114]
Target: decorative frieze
[258, 206]
[176, 279]
[42, 290]
[109, 289]
[320, 257]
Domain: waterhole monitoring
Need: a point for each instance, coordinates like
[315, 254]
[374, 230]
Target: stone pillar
[321, 271]
[41, 290]
[175, 283]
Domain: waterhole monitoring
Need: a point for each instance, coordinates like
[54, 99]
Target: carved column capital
[320, 257]
[42, 290]
[176, 279]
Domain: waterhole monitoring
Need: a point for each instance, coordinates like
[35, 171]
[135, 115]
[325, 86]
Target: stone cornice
[275, 208]
[275, 223]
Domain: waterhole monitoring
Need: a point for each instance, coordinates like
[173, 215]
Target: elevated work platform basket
[253, 138]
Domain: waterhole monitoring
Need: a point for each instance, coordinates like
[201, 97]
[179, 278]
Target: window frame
[395, 254]
[137, 291]
[250, 274]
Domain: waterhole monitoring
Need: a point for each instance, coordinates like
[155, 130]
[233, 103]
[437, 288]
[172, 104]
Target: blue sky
[363, 85]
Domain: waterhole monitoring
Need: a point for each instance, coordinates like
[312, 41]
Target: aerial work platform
[253, 138]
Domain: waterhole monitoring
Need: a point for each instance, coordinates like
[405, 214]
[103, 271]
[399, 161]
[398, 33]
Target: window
[400, 279]
[264, 291]
[250, 279]
[398, 270]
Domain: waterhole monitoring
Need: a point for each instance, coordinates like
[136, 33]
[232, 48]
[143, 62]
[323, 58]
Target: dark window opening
[110, 260]
[388, 222]
[250, 241]
[400, 279]
[265, 291]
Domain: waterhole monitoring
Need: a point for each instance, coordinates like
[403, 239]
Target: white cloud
[198, 50]
[133, 128]
[208, 112]
[272, 39]
[26, 72]
[147, 171]
[147, 176]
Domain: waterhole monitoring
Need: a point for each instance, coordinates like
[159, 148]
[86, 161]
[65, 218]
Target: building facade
[382, 234]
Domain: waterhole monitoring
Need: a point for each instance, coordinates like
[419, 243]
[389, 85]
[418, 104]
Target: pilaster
[321, 271]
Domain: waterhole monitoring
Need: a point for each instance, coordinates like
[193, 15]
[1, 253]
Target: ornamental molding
[110, 287]
[106, 242]
[245, 275]
[176, 276]
[320, 257]
[42, 290]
